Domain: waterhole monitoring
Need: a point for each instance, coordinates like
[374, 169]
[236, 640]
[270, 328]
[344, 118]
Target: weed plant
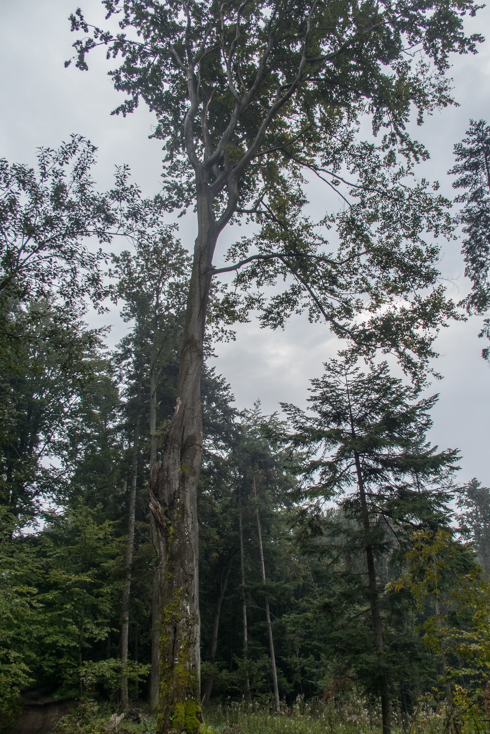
[313, 717]
[92, 717]
[350, 715]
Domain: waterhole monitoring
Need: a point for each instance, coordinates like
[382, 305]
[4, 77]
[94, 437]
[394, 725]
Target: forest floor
[348, 717]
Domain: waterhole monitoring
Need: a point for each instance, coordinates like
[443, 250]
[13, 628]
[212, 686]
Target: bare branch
[328, 317]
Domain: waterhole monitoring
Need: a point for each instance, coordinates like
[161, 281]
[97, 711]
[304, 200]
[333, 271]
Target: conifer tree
[473, 172]
[474, 519]
[473, 176]
[366, 446]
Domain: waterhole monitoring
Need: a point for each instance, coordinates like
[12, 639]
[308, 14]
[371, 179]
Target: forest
[172, 563]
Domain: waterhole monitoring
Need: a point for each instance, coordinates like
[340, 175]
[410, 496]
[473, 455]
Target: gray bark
[129, 564]
[174, 505]
[173, 501]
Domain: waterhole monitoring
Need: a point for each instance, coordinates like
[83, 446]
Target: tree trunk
[136, 659]
[373, 598]
[156, 618]
[156, 601]
[445, 671]
[129, 563]
[244, 598]
[267, 610]
[214, 635]
[175, 508]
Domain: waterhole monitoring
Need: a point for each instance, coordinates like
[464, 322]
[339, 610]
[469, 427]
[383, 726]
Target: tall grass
[353, 715]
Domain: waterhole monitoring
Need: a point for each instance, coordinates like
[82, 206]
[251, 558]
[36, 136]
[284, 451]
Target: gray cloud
[42, 103]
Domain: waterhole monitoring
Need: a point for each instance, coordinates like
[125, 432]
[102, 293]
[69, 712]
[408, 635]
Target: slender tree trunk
[373, 597]
[449, 692]
[174, 506]
[156, 601]
[267, 609]
[129, 564]
[214, 635]
[156, 619]
[136, 659]
[81, 639]
[244, 598]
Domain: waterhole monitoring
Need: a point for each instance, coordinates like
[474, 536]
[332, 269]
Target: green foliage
[48, 275]
[472, 169]
[150, 283]
[57, 601]
[347, 715]
[45, 219]
[364, 446]
[455, 599]
[78, 593]
[251, 100]
[48, 215]
[55, 362]
[18, 615]
[95, 718]
[106, 674]
[474, 519]
[377, 418]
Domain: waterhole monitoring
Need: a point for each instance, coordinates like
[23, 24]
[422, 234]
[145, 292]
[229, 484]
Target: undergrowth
[350, 716]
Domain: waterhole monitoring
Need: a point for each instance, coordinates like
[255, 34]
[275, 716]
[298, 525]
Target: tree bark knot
[178, 403]
[158, 513]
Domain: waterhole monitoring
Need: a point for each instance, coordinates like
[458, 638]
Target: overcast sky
[42, 103]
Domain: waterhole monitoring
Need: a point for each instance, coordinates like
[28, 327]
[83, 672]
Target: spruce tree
[366, 447]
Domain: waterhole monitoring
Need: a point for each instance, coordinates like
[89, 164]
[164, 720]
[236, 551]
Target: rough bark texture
[129, 564]
[267, 613]
[174, 507]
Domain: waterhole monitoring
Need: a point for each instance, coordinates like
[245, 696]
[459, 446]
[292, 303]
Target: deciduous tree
[250, 98]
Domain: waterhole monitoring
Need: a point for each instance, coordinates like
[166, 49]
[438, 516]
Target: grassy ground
[351, 716]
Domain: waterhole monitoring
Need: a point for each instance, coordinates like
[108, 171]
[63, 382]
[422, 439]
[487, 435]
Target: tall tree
[248, 96]
[54, 364]
[217, 511]
[454, 597]
[275, 684]
[366, 440]
[473, 172]
[49, 273]
[151, 283]
[46, 218]
[129, 566]
[474, 519]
